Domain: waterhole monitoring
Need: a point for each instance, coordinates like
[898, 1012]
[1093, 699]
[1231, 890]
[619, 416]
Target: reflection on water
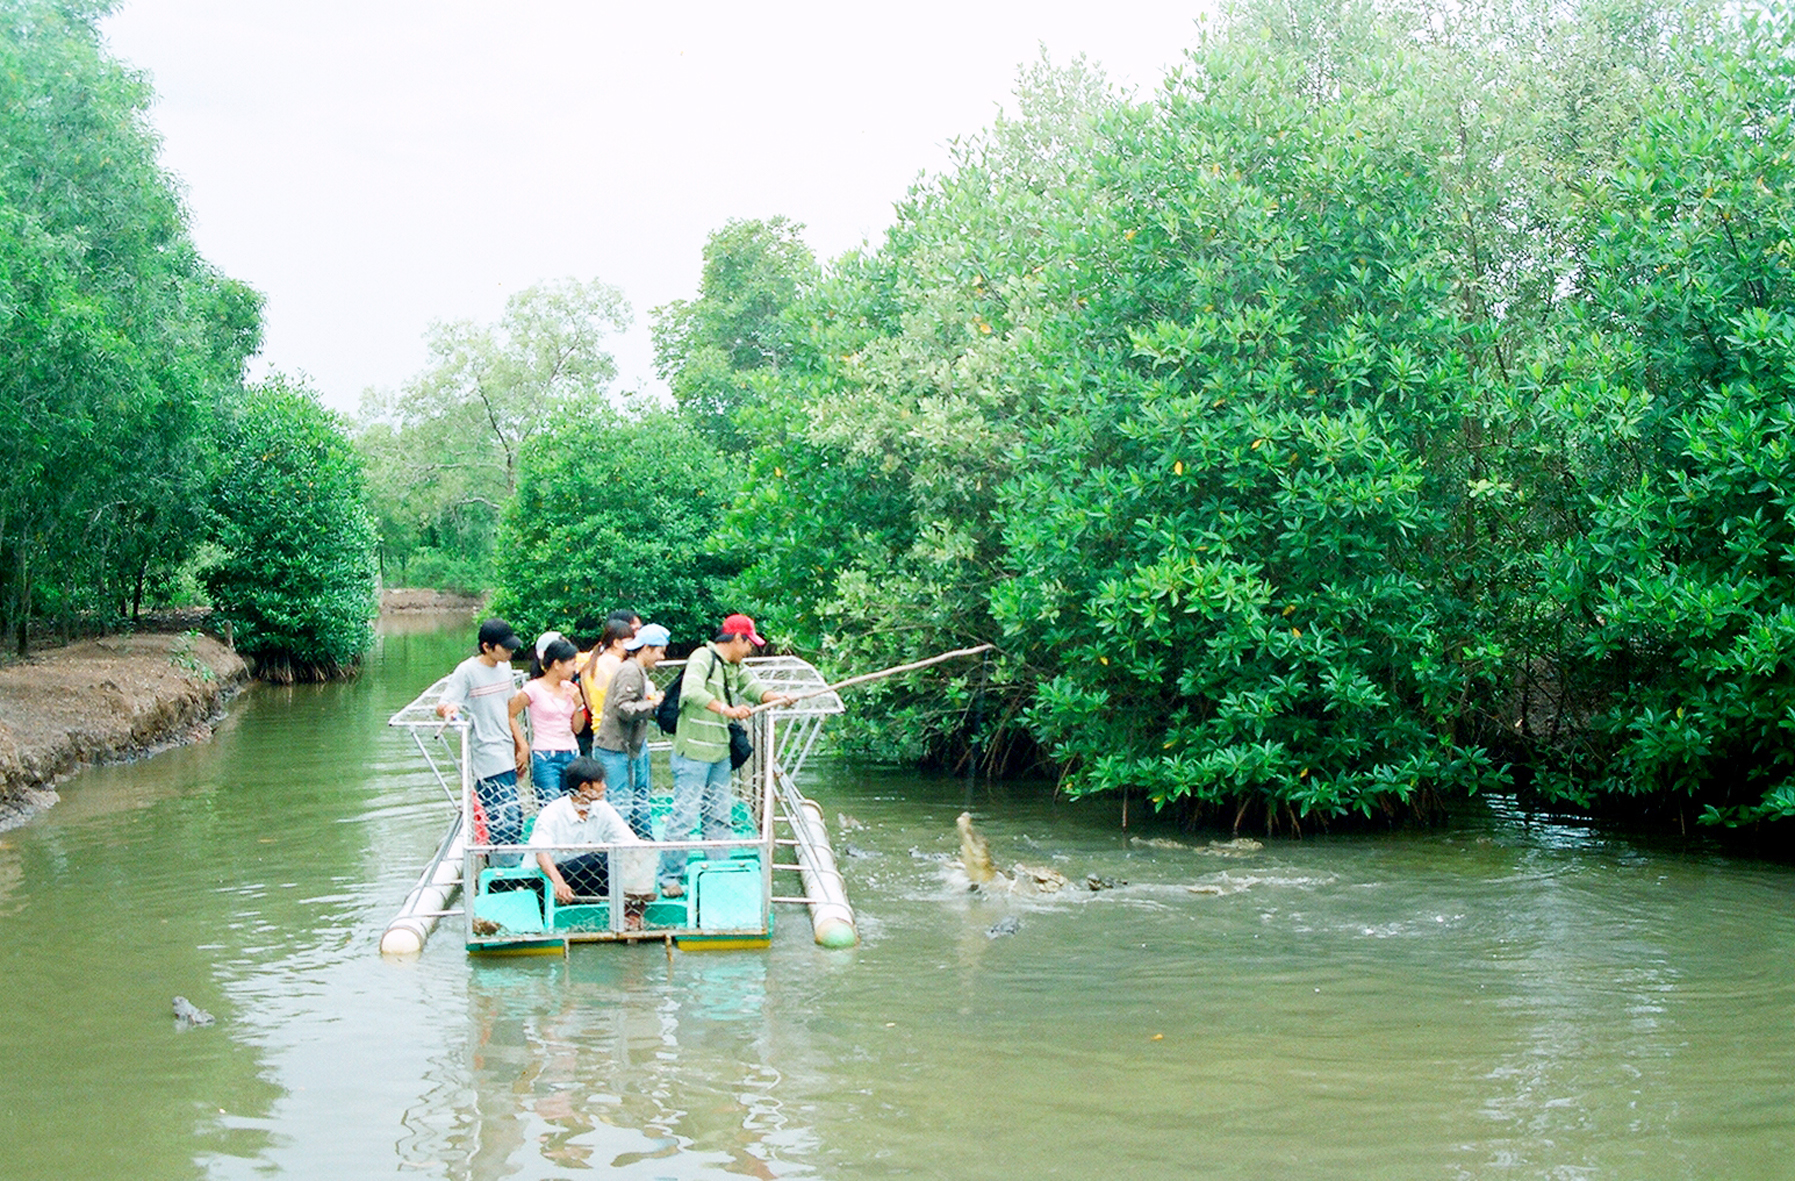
[609, 1061]
[1497, 1000]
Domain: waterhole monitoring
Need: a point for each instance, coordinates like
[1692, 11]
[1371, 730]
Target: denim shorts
[545, 773]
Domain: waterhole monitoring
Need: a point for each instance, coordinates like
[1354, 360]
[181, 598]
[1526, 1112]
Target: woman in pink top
[555, 709]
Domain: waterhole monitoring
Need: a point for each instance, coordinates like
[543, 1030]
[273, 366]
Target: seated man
[582, 817]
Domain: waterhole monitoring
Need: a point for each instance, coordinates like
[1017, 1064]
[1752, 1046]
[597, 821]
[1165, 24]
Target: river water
[1500, 1000]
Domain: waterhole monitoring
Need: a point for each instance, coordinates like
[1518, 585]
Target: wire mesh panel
[440, 742]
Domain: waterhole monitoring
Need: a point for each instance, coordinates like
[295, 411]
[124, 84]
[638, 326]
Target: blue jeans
[504, 815]
[545, 773]
[699, 790]
[626, 787]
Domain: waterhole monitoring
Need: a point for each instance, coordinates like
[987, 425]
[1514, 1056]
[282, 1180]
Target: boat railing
[441, 741]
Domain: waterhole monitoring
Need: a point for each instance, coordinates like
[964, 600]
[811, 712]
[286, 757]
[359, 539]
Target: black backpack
[666, 714]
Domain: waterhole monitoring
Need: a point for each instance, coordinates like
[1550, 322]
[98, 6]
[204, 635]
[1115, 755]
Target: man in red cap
[714, 690]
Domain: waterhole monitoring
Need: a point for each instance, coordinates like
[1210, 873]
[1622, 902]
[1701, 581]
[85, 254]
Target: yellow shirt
[596, 680]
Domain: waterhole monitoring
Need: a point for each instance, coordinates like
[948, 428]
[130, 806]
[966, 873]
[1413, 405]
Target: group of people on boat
[588, 739]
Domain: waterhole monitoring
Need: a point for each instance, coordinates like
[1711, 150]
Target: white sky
[372, 166]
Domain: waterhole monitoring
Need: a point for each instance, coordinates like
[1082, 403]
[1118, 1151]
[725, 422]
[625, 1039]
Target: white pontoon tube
[831, 918]
[406, 934]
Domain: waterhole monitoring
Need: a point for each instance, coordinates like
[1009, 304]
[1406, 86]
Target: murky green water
[1496, 1001]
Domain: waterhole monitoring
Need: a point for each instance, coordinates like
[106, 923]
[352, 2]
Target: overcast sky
[373, 166]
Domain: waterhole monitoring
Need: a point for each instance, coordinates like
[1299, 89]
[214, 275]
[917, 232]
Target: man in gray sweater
[621, 741]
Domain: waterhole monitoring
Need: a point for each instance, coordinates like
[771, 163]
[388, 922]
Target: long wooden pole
[884, 672]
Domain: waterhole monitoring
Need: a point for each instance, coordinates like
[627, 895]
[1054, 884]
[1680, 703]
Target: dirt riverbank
[105, 700]
[402, 601]
[119, 697]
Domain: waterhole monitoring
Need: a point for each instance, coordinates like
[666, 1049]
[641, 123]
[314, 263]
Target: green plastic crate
[728, 896]
[513, 910]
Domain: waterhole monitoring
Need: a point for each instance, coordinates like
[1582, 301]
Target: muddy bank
[403, 601]
[104, 700]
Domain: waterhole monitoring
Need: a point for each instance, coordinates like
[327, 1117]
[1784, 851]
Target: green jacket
[702, 733]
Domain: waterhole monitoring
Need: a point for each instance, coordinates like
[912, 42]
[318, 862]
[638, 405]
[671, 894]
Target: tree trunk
[24, 604]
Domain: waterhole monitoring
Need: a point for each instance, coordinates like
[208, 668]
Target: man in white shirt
[582, 817]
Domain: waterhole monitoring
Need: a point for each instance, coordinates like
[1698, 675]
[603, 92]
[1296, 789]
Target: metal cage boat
[729, 884]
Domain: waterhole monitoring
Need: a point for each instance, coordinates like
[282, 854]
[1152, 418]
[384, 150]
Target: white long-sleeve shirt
[558, 826]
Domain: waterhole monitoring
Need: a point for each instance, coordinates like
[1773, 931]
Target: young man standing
[714, 690]
[481, 686]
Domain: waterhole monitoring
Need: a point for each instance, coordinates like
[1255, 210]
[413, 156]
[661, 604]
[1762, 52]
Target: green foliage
[449, 569]
[709, 350]
[442, 454]
[615, 510]
[180, 655]
[1678, 584]
[1229, 527]
[881, 445]
[120, 341]
[1394, 397]
[1122, 388]
[1393, 404]
[436, 518]
[296, 577]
